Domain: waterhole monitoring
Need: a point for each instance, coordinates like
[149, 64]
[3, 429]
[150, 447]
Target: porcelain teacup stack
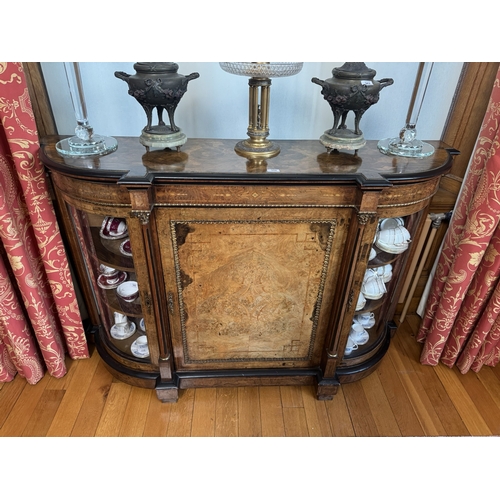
[357, 336]
[392, 237]
[123, 328]
[373, 286]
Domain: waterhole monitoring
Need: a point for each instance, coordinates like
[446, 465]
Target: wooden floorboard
[249, 424]
[380, 408]
[400, 398]
[157, 419]
[338, 416]
[203, 424]
[436, 392]
[226, 412]
[271, 412]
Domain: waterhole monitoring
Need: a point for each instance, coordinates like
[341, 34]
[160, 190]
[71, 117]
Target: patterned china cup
[122, 326]
[358, 334]
[142, 345]
[115, 226]
[128, 291]
[108, 271]
[351, 346]
[367, 320]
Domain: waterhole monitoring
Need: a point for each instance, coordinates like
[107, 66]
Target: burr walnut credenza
[201, 268]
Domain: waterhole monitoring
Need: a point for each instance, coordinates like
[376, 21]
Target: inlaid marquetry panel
[185, 195]
[251, 290]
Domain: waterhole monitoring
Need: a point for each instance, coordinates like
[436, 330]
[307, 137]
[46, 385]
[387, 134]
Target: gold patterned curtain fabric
[461, 323]
[39, 316]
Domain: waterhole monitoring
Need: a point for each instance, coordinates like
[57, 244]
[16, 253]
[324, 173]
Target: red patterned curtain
[39, 316]
[461, 323]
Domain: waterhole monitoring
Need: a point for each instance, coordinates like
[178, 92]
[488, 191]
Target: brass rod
[264, 107]
[254, 106]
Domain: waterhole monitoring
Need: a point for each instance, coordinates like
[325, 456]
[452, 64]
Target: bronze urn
[351, 88]
[158, 85]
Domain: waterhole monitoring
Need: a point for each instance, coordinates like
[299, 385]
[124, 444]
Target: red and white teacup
[128, 291]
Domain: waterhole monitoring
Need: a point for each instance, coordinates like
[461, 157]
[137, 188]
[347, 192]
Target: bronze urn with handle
[157, 85]
[351, 88]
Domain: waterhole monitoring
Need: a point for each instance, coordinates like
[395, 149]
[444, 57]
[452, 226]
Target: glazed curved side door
[379, 292]
[116, 286]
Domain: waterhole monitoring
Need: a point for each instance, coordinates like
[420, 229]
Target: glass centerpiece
[260, 74]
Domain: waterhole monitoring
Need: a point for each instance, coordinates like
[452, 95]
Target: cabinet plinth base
[167, 394]
[326, 389]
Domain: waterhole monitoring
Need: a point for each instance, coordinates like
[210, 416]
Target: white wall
[216, 104]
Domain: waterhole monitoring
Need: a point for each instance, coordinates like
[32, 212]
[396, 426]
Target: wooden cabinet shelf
[108, 252]
[246, 276]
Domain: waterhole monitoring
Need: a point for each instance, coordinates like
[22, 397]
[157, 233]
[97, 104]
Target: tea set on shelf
[392, 238]
[127, 291]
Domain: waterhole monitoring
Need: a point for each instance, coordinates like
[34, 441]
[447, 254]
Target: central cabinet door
[250, 287]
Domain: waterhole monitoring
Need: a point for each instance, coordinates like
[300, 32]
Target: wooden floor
[401, 398]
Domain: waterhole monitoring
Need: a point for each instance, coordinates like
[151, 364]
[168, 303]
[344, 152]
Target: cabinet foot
[326, 389]
[168, 395]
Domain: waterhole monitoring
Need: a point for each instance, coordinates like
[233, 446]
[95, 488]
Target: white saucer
[138, 352]
[124, 334]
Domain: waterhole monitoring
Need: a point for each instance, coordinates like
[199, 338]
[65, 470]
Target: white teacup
[108, 271]
[120, 319]
[367, 320]
[142, 341]
[358, 334]
[128, 291]
[373, 254]
[123, 328]
[141, 348]
[351, 346]
[361, 302]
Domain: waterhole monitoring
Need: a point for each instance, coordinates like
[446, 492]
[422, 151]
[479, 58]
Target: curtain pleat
[34, 335]
[459, 326]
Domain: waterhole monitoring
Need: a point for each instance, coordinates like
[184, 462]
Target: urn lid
[354, 71]
[156, 67]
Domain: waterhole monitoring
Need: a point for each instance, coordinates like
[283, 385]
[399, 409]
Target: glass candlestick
[407, 143]
[84, 142]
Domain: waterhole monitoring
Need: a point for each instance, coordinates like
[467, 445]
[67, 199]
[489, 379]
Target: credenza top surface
[212, 159]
